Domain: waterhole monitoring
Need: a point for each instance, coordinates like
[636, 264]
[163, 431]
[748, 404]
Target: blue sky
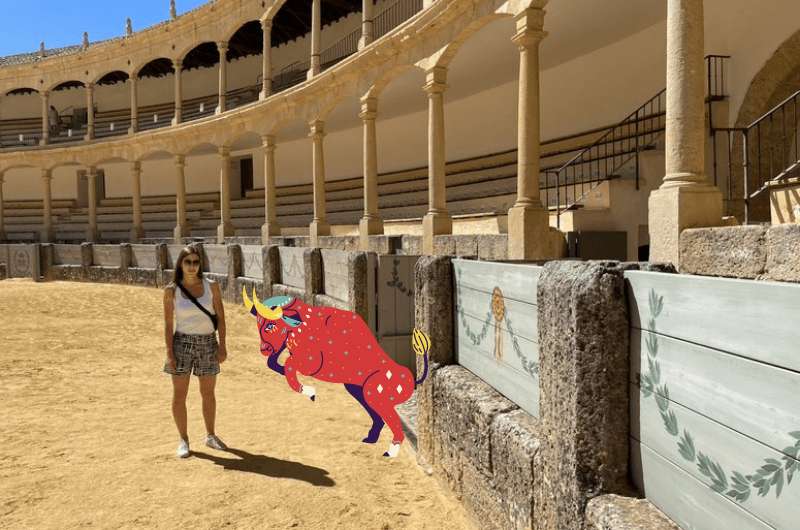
[25, 23]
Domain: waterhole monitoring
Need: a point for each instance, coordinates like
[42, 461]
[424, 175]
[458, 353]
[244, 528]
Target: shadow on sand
[269, 467]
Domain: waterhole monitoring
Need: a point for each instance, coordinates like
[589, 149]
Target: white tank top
[189, 320]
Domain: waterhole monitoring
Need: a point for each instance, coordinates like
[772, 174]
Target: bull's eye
[270, 326]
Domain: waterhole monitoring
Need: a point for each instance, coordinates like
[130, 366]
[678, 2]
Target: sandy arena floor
[88, 437]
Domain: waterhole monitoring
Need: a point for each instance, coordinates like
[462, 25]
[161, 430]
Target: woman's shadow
[269, 467]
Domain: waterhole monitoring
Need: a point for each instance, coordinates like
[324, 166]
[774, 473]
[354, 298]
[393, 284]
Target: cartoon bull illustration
[337, 346]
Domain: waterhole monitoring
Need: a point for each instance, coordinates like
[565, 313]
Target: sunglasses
[192, 262]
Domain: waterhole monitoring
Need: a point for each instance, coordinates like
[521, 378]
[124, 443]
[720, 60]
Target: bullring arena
[590, 207]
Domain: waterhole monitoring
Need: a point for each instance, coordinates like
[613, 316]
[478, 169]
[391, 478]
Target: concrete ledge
[613, 512]
[752, 252]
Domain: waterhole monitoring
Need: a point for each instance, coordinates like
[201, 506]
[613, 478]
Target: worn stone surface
[382, 244]
[614, 512]
[584, 412]
[464, 408]
[493, 247]
[514, 445]
[481, 499]
[447, 461]
[125, 254]
[357, 284]
[144, 277]
[783, 253]
[426, 427]
[466, 245]
[312, 264]
[86, 254]
[444, 245]
[271, 267]
[3, 271]
[411, 245]
[235, 265]
[736, 252]
[433, 306]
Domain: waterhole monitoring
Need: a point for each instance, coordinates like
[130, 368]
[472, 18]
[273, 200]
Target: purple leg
[377, 422]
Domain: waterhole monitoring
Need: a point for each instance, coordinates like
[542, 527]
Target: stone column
[222, 47]
[685, 199]
[134, 105]
[315, 36]
[89, 111]
[91, 230]
[47, 203]
[2, 213]
[437, 220]
[319, 225]
[181, 226]
[371, 223]
[528, 221]
[266, 58]
[366, 23]
[225, 228]
[270, 227]
[45, 95]
[137, 231]
[177, 64]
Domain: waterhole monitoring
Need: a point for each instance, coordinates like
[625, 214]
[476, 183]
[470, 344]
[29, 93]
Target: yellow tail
[420, 342]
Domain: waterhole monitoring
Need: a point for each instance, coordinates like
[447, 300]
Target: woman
[192, 347]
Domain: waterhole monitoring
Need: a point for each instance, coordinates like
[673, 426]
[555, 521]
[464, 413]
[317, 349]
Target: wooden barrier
[715, 369]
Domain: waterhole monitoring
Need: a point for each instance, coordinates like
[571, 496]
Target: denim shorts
[195, 354]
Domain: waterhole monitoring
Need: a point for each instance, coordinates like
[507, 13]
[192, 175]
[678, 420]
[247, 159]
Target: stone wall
[753, 252]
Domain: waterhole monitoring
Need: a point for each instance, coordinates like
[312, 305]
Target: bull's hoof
[313, 398]
[370, 439]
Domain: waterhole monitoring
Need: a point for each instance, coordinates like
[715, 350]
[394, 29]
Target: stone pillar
[270, 227]
[91, 230]
[266, 58]
[222, 47]
[685, 199]
[584, 413]
[315, 36]
[181, 226]
[47, 203]
[177, 64]
[528, 221]
[366, 23]
[437, 220]
[134, 104]
[137, 231]
[371, 223]
[89, 111]
[319, 225]
[45, 95]
[2, 213]
[225, 228]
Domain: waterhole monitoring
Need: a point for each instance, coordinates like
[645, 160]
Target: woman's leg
[207, 384]
[180, 388]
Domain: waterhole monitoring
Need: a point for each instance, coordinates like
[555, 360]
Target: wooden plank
[387, 297]
[520, 317]
[67, 254]
[507, 375]
[335, 273]
[753, 398]
[403, 285]
[216, 258]
[23, 261]
[292, 266]
[683, 498]
[252, 262]
[398, 347]
[753, 319]
[143, 256]
[721, 449]
[516, 281]
[106, 255]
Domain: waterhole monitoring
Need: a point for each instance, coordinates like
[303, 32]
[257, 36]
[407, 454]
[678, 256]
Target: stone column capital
[89, 87]
[435, 80]
[91, 171]
[47, 174]
[222, 46]
[268, 141]
[369, 108]
[266, 24]
[45, 94]
[527, 38]
[224, 151]
[530, 19]
[177, 64]
[180, 161]
[136, 166]
[317, 128]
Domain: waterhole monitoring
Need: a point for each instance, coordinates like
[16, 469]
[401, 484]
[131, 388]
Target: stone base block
[268, 231]
[613, 512]
[529, 235]
[368, 226]
[180, 232]
[136, 234]
[515, 443]
[434, 224]
[317, 229]
[482, 500]
[224, 230]
[672, 210]
[736, 252]
[783, 258]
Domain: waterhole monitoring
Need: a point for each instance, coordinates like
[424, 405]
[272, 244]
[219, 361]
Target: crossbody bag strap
[199, 306]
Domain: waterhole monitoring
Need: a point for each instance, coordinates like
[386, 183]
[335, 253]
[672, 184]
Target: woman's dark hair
[187, 251]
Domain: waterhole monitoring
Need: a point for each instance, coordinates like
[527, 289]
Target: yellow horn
[264, 311]
[247, 303]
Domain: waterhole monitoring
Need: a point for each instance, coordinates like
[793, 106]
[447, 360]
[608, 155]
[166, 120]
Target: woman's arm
[169, 308]
[220, 311]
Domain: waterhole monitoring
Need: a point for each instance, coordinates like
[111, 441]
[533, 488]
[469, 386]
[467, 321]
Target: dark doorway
[246, 172]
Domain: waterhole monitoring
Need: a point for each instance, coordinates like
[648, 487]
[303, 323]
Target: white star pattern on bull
[399, 389]
[388, 374]
[379, 389]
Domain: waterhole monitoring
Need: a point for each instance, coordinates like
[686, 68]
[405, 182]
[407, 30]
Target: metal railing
[716, 66]
[568, 185]
[394, 15]
[343, 48]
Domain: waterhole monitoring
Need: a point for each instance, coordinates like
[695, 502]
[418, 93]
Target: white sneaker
[213, 441]
[183, 449]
